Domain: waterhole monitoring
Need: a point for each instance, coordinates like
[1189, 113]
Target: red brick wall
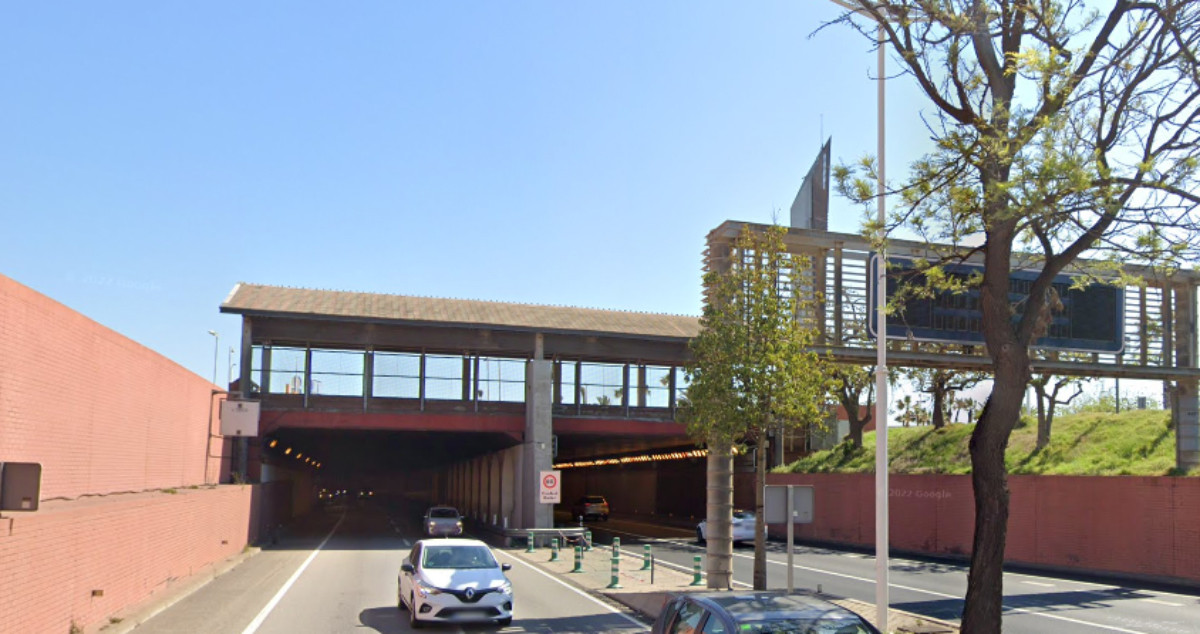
[131, 547]
[1127, 525]
[122, 434]
[99, 411]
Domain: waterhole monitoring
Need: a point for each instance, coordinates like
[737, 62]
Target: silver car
[454, 581]
[443, 521]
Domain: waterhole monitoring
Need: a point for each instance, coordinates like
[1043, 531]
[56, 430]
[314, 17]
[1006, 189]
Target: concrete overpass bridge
[453, 400]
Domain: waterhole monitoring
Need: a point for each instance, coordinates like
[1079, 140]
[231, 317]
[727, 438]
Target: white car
[743, 527]
[454, 581]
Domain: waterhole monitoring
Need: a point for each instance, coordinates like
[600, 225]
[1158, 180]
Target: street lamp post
[881, 391]
[216, 347]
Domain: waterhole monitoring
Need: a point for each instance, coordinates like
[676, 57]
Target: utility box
[20, 486]
[239, 418]
[776, 502]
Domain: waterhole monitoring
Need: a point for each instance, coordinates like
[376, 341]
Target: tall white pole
[881, 407]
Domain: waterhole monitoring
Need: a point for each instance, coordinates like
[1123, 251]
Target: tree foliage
[1059, 132]
[752, 368]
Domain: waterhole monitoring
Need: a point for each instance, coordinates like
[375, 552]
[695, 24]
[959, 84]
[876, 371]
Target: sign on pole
[550, 491]
[790, 504]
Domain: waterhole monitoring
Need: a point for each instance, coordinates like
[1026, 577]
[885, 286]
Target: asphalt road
[1033, 604]
[338, 574]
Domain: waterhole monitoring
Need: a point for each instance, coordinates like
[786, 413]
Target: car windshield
[743, 515]
[458, 557]
[443, 513]
[594, 499]
[804, 626]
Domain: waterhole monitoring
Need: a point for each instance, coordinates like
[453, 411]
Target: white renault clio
[454, 581]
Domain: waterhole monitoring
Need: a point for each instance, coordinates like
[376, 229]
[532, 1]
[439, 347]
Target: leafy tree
[1059, 131]
[941, 384]
[752, 371]
[854, 386]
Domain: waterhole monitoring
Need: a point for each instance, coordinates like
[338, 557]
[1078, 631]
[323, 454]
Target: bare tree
[1047, 388]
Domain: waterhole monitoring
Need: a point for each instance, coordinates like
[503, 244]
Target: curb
[175, 592]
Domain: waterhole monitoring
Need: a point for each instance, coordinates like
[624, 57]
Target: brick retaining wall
[1141, 526]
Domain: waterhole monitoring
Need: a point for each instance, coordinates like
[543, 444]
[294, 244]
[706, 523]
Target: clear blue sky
[154, 154]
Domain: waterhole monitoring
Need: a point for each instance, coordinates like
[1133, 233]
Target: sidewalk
[638, 593]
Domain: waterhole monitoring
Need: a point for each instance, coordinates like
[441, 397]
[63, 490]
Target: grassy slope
[1131, 443]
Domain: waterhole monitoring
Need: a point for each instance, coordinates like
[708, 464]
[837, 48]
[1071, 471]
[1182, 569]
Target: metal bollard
[696, 571]
[616, 566]
[529, 543]
[646, 557]
[578, 559]
[587, 540]
[554, 549]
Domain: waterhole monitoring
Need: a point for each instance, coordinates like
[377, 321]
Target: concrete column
[537, 451]
[1186, 410]
[508, 480]
[494, 491]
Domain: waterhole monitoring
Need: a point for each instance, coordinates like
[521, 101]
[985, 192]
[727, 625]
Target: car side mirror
[505, 567]
[407, 567]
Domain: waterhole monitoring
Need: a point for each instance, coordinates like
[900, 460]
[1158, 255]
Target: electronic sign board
[1092, 318]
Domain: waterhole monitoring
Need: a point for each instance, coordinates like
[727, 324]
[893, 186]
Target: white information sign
[551, 487]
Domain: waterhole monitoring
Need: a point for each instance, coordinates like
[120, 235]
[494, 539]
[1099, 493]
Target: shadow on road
[389, 620]
[951, 609]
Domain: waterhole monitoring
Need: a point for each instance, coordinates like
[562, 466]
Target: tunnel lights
[273, 443]
[299, 455]
[287, 452]
[603, 462]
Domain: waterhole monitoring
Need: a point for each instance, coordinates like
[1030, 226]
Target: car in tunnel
[743, 527]
[591, 506]
[442, 521]
[454, 581]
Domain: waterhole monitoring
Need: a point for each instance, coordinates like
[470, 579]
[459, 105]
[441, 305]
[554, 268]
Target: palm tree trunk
[719, 549]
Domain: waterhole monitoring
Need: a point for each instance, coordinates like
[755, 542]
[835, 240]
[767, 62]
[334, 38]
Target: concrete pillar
[1186, 409]
[537, 451]
[496, 461]
[508, 480]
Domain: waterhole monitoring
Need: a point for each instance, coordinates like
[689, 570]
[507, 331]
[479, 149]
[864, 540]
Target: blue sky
[154, 154]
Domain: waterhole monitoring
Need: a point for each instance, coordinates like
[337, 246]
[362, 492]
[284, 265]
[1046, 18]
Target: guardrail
[542, 537]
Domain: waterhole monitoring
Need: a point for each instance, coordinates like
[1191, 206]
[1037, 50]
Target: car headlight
[506, 588]
[424, 589]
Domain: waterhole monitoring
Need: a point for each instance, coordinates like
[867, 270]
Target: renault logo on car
[470, 593]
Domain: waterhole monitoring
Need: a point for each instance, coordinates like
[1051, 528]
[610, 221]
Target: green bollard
[616, 545]
[587, 540]
[529, 542]
[578, 559]
[646, 557]
[554, 549]
[696, 571]
[616, 566]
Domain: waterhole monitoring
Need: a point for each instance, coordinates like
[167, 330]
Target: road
[1033, 604]
[337, 574]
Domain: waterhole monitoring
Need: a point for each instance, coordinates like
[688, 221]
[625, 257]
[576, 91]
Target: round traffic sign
[549, 481]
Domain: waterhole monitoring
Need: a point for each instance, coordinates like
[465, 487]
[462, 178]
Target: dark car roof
[766, 606]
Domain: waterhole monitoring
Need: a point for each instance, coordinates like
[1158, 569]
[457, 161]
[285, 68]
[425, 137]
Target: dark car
[756, 613]
[591, 506]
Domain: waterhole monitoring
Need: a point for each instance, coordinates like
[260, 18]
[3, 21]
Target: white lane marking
[266, 611]
[951, 596]
[1038, 583]
[575, 590]
[1174, 605]
[911, 589]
